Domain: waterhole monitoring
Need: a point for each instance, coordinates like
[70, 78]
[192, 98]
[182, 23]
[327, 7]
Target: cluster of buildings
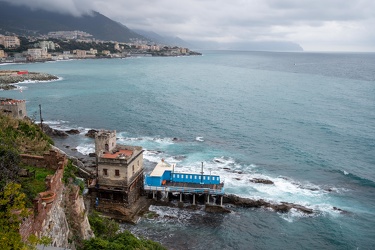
[10, 41]
[44, 50]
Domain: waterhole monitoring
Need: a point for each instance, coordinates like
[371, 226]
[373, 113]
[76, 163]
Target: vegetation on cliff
[108, 237]
[16, 193]
[18, 136]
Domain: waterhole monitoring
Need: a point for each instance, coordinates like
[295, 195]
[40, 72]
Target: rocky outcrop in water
[91, 133]
[6, 80]
[282, 207]
[53, 132]
[263, 181]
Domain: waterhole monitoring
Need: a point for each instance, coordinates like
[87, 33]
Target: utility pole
[202, 174]
[40, 114]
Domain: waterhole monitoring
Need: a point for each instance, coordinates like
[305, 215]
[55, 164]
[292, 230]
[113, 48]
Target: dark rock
[91, 133]
[340, 210]
[246, 202]
[226, 169]
[179, 157]
[74, 149]
[215, 209]
[283, 208]
[73, 131]
[92, 155]
[263, 181]
[53, 132]
[238, 179]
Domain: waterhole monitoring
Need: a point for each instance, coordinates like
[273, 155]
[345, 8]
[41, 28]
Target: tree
[12, 211]
[9, 160]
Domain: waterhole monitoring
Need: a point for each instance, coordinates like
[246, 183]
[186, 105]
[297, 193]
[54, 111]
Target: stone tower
[105, 141]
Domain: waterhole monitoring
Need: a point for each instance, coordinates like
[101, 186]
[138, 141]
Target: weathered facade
[119, 171]
[15, 108]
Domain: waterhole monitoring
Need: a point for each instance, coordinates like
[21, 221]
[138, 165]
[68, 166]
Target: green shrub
[103, 227]
[70, 172]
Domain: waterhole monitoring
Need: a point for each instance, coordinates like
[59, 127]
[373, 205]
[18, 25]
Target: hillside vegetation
[17, 193]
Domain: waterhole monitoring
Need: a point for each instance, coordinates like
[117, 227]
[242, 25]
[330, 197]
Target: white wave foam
[39, 81]
[199, 138]
[55, 122]
[174, 214]
[86, 148]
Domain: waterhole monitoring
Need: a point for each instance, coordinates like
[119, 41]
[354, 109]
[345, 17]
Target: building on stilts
[164, 180]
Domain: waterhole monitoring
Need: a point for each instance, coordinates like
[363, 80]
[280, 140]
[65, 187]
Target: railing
[185, 189]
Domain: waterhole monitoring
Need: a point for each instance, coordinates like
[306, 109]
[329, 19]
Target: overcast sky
[317, 25]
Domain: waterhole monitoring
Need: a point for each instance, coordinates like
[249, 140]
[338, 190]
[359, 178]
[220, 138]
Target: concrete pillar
[208, 198]
[153, 195]
[193, 199]
[166, 196]
[221, 201]
[180, 197]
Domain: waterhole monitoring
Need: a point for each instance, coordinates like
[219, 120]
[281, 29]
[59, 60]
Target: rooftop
[161, 167]
[119, 154]
[10, 101]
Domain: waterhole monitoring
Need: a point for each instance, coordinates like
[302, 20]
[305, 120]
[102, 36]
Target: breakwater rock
[53, 132]
[8, 78]
[282, 207]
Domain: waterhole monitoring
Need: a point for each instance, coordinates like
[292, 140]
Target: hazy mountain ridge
[166, 40]
[22, 20]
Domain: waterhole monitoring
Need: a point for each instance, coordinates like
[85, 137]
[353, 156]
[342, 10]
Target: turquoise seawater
[306, 121]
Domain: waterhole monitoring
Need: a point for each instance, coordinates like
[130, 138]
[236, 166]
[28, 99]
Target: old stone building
[14, 108]
[119, 170]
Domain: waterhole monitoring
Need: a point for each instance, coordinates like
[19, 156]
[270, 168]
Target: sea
[305, 121]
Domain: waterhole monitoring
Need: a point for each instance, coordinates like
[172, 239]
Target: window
[133, 168]
[117, 172]
[105, 171]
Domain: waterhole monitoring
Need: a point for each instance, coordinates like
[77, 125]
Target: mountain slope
[167, 40]
[22, 20]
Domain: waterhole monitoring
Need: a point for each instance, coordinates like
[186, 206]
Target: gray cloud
[315, 24]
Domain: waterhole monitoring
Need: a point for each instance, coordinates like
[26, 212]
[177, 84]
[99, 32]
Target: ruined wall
[53, 160]
[50, 207]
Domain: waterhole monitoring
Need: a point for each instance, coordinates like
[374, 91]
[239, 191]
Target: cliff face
[76, 214]
[59, 213]
[55, 226]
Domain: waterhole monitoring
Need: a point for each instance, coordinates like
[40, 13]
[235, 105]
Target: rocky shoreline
[7, 81]
[229, 200]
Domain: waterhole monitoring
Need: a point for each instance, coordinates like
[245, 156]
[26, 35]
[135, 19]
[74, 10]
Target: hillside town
[65, 45]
